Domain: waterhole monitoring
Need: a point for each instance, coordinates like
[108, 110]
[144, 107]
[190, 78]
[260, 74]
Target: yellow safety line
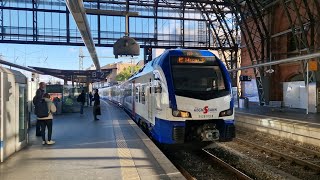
[128, 168]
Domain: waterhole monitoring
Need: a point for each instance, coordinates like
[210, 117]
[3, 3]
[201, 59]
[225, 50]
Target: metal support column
[68, 24]
[300, 31]
[127, 18]
[1, 20]
[156, 2]
[183, 4]
[252, 49]
[35, 20]
[99, 24]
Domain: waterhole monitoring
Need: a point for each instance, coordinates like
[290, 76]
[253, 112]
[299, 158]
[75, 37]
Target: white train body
[181, 96]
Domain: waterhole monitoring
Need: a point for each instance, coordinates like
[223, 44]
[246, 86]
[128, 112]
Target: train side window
[137, 95]
[143, 95]
[150, 86]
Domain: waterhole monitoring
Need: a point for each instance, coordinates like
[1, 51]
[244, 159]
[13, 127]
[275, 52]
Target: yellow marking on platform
[128, 168]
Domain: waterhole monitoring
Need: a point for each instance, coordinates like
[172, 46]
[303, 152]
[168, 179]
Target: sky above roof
[57, 57]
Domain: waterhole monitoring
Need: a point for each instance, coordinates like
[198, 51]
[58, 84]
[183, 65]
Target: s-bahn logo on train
[205, 109]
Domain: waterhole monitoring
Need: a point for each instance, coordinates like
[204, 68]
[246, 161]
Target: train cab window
[199, 82]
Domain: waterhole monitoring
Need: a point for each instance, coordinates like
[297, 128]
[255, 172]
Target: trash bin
[243, 102]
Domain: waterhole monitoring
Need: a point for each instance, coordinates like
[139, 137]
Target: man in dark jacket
[96, 105]
[90, 98]
[39, 95]
[82, 100]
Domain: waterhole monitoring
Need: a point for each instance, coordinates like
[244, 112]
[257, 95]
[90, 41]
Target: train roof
[189, 52]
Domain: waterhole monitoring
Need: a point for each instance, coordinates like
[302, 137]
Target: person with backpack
[36, 100]
[82, 99]
[45, 118]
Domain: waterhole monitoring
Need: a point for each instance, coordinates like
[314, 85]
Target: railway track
[302, 156]
[315, 154]
[236, 172]
[185, 173]
[293, 159]
[197, 163]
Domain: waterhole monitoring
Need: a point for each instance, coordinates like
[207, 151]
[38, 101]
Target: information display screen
[180, 60]
[185, 60]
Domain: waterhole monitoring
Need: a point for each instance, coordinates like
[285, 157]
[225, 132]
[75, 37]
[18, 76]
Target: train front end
[200, 98]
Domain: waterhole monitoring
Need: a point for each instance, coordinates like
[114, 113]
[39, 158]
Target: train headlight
[228, 112]
[178, 113]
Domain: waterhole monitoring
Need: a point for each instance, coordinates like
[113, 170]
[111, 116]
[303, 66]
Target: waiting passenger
[37, 98]
[96, 105]
[47, 121]
[81, 99]
[90, 98]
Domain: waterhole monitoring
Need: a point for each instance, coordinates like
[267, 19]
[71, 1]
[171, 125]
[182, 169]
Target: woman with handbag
[96, 105]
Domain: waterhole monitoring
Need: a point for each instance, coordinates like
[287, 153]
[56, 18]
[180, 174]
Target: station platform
[287, 113]
[112, 148]
[288, 123]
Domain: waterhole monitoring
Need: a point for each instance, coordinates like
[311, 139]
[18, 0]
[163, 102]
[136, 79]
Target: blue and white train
[181, 96]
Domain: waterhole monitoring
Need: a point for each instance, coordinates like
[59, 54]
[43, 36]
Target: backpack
[42, 109]
[34, 100]
[78, 99]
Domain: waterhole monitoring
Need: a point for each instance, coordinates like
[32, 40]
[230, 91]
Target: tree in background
[127, 72]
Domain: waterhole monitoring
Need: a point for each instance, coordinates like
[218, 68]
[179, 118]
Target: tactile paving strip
[128, 168]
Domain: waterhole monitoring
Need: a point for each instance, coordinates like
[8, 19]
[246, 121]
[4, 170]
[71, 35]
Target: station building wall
[282, 47]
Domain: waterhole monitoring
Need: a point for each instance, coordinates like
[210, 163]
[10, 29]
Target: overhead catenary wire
[282, 61]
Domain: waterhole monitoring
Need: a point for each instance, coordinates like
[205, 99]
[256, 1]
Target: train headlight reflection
[178, 113]
[228, 112]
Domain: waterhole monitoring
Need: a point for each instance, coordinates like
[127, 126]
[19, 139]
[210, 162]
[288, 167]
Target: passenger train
[178, 97]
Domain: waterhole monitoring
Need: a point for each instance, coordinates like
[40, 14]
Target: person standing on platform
[82, 100]
[96, 105]
[47, 121]
[37, 98]
[90, 98]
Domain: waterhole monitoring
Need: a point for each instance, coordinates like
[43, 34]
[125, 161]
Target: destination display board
[193, 60]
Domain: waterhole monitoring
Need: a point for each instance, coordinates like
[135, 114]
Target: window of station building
[295, 41]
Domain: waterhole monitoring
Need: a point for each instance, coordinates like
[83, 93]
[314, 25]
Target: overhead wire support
[79, 14]
[282, 61]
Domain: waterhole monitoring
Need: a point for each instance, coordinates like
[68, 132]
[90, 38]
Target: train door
[133, 95]
[151, 103]
[13, 110]
[21, 113]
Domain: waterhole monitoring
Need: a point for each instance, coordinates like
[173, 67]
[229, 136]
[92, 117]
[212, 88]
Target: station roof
[76, 75]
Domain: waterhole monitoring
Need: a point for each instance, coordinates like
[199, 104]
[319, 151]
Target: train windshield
[197, 79]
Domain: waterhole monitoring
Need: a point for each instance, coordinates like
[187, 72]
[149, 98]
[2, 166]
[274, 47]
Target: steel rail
[285, 156]
[235, 171]
[305, 150]
[185, 173]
